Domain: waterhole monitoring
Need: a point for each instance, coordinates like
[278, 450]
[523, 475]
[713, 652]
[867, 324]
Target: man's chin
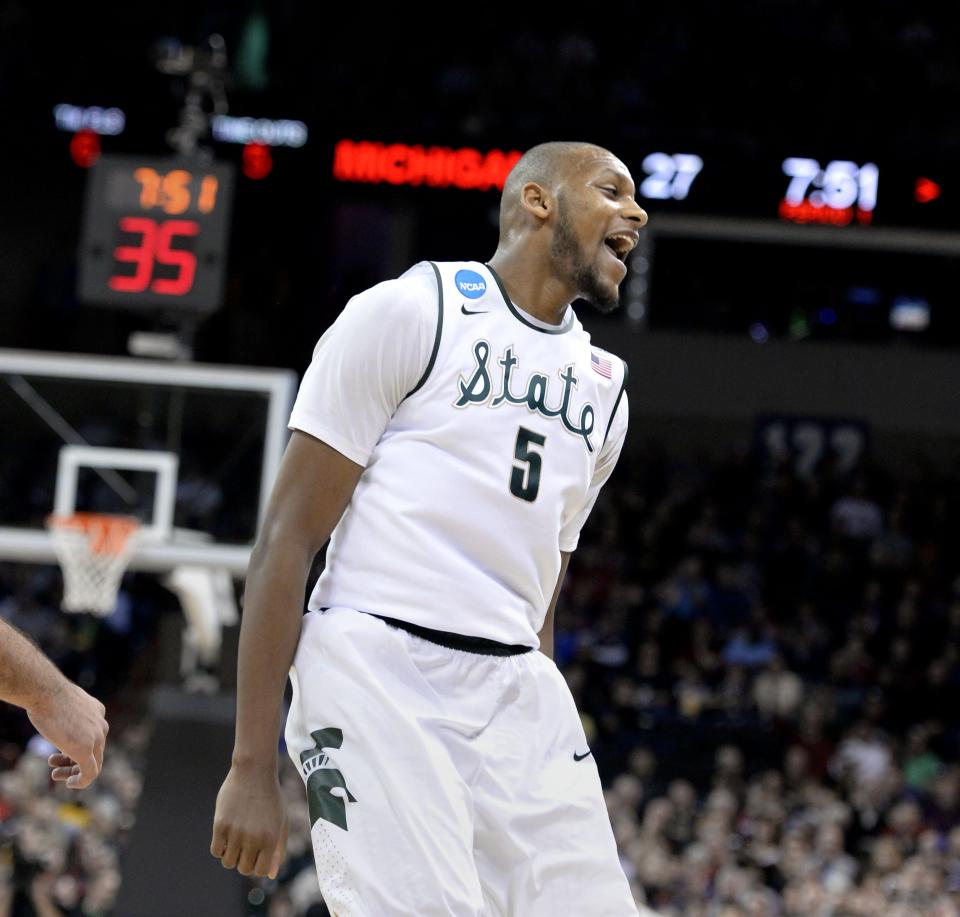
[603, 300]
[603, 295]
[605, 305]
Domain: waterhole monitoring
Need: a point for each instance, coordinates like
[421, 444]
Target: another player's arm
[61, 712]
[312, 490]
[546, 632]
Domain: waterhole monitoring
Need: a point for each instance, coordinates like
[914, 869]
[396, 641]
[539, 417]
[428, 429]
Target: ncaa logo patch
[470, 284]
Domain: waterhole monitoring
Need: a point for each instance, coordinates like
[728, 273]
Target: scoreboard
[823, 183]
[825, 188]
[155, 233]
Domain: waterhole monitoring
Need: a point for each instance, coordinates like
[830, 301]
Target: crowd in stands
[767, 669]
[61, 850]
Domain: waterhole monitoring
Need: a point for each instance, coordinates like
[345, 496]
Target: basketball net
[94, 550]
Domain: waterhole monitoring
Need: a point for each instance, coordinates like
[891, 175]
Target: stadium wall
[702, 392]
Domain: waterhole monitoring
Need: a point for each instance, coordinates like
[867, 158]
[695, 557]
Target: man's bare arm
[26, 675]
[313, 487]
[546, 632]
[312, 490]
[63, 713]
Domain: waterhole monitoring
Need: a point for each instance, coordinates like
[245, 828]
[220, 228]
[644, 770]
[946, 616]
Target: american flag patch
[601, 366]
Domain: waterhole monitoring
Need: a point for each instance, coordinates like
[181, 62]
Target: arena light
[228, 129]
[85, 148]
[257, 161]
[910, 313]
[436, 166]
[73, 118]
[926, 190]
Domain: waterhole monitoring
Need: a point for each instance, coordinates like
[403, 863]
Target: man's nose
[636, 213]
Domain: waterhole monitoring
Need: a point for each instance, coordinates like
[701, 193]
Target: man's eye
[609, 188]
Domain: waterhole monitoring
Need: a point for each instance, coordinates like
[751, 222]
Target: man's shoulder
[474, 274]
[605, 354]
[412, 293]
[609, 366]
[423, 283]
[417, 280]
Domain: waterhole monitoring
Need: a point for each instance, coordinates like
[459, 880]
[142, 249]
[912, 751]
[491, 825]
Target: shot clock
[155, 233]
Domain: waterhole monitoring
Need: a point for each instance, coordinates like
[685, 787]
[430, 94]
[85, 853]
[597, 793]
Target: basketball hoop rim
[108, 533]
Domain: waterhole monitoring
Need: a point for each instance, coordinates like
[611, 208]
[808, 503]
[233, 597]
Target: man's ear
[536, 200]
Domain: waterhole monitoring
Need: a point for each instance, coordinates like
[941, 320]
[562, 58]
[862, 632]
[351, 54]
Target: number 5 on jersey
[525, 477]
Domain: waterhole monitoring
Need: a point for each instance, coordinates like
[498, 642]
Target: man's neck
[532, 285]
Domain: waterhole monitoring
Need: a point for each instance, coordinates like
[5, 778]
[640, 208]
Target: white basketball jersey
[485, 435]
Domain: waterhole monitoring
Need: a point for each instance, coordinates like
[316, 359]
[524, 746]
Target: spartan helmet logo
[327, 793]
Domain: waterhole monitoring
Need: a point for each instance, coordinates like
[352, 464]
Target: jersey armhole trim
[436, 339]
[616, 404]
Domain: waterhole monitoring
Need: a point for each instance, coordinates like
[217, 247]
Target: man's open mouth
[621, 244]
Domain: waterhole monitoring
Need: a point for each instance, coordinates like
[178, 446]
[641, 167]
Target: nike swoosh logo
[467, 311]
[577, 757]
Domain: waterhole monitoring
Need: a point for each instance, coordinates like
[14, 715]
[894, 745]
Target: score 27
[155, 247]
[669, 176]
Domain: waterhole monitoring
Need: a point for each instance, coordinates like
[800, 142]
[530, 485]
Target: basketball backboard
[190, 449]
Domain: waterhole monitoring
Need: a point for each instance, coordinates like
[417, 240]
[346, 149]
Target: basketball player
[461, 424]
[62, 712]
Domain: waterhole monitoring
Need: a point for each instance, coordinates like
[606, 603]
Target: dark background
[742, 86]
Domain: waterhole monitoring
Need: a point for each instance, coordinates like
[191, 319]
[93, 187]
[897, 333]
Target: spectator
[777, 692]
[857, 516]
[750, 647]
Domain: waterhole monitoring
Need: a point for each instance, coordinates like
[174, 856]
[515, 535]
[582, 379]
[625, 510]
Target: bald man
[452, 433]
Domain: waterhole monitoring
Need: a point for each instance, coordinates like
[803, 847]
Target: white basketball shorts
[443, 783]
